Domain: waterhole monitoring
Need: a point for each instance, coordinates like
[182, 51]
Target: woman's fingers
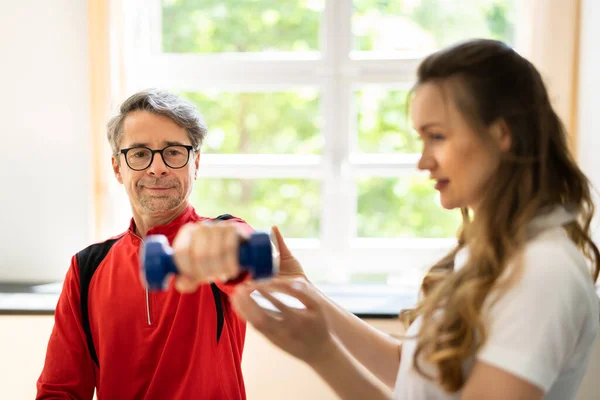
[284, 251]
[296, 288]
[275, 301]
[302, 333]
[289, 266]
[249, 310]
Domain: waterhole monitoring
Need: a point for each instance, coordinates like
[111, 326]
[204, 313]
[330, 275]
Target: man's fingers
[185, 285]
[230, 257]
[207, 252]
[182, 249]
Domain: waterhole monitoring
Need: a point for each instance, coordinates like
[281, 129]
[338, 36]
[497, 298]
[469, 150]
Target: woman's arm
[305, 333]
[489, 382]
[377, 351]
[344, 376]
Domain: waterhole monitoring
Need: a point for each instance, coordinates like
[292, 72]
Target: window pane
[402, 207]
[291, 204]
[261, 123]
[382, 121]
[240, 26]
[426, 25]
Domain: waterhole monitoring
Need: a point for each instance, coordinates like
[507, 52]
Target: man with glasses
[111, 334]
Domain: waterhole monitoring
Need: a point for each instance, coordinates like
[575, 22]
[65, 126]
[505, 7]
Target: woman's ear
[501, 134]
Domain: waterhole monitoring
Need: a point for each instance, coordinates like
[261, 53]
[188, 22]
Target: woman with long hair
[512, 311]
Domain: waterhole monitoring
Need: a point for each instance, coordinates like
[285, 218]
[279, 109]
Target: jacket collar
[170, 229]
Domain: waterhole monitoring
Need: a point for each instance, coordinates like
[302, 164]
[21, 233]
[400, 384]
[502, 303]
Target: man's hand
[205, 253]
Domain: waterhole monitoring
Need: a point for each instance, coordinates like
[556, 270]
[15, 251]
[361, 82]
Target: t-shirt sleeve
[535, 325]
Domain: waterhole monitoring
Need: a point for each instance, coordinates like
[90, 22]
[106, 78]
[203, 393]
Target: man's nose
[158, 166]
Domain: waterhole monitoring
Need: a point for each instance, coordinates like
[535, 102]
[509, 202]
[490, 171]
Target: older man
[110, 333]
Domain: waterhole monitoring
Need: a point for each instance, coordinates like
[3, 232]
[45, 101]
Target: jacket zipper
[146, 289]
[148, 307]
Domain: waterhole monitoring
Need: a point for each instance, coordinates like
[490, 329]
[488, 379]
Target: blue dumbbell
[258, 255]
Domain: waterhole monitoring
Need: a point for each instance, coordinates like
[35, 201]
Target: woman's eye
[436, 136]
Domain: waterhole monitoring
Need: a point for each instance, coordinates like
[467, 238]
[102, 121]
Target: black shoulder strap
[224, 217]
[88, 261]
[217, 292]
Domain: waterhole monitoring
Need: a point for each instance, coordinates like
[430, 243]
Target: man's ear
[501, 134]
[196, 164]
[117, 169]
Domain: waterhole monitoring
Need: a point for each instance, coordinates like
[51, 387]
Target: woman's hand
[301, 332]
[289, 266]
[206, 252]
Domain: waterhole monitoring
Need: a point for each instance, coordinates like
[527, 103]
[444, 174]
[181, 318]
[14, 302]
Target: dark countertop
[28, 298]
[366, 301]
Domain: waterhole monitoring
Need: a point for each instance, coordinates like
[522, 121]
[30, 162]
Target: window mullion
[155, 25]
[338, 199]
[196, 72]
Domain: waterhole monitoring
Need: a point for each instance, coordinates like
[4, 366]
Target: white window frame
[335, 72]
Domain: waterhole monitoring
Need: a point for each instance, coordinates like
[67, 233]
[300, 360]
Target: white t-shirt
[541, 330]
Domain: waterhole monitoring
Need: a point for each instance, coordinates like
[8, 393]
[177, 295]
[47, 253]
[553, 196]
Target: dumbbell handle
[258, 255]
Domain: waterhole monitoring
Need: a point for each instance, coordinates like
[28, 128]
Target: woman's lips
[441, 184]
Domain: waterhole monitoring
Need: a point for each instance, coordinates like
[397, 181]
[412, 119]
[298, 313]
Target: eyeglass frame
[153, 152]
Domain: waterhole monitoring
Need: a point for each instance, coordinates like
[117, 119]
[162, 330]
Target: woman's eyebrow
[428, 125]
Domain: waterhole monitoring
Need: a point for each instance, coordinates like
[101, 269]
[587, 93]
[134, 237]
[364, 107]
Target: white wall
[589, 91]
[45, 185]
[589, 138]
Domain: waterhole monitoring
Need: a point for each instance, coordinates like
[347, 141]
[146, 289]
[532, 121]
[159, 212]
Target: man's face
[158, 189]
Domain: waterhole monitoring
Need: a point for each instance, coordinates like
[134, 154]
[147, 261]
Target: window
[306, 106]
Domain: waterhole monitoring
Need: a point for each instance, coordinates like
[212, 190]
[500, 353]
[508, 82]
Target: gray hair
[159, 102]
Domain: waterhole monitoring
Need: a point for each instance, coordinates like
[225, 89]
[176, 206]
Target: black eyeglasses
[140, 158]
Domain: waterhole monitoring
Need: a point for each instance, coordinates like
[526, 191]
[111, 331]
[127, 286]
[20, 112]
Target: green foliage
[499, 18]
[426, 25]
[291, 204]
[402, 207]
[261, 123]
[382, 121]
[209, 26]
[289, 122]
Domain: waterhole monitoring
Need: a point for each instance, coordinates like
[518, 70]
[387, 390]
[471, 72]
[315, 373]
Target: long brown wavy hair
[489, 82]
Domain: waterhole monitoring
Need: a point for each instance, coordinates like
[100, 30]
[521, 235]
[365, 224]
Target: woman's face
[458, 158]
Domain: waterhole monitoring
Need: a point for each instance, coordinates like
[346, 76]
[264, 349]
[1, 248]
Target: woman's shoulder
[552, 254]
[553, 266]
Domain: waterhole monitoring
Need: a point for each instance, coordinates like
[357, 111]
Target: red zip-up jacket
[148, 345]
